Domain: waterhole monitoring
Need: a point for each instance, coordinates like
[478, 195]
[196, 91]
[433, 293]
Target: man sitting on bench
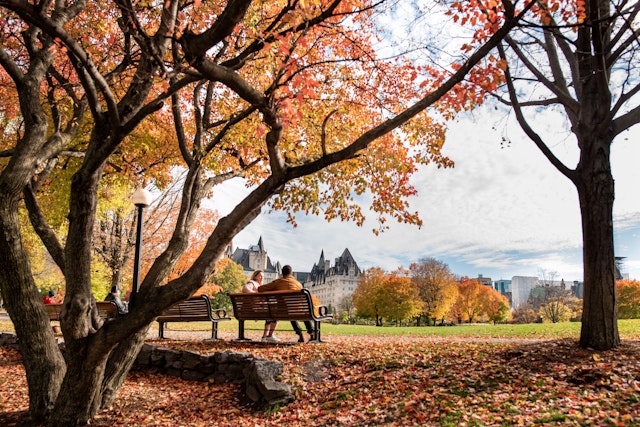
[114, 296]
[288, 283]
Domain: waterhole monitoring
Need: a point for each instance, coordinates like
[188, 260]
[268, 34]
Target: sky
[502, 211]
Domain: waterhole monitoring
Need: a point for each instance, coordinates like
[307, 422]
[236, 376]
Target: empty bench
[196, 309]
[106, 310]
[278, 305]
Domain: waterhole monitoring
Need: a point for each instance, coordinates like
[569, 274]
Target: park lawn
[629, 329]
[474, 375]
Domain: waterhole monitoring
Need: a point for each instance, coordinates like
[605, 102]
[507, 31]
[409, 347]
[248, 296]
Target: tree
[578, 59]
[399, 298]
[496, 305]
[346, 309]
[230, 277]
[525, 314]
[555, 311]
[437, 287]
[289, 96]
[550, 298]
[628, 292]
[550, 301]
[469, 301]
[368, 295]
[382, 296]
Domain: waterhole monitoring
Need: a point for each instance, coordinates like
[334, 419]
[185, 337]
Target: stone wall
[258, 377]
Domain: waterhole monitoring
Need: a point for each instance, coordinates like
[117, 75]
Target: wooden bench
[196, 309]
[106, 310]
[277, 305]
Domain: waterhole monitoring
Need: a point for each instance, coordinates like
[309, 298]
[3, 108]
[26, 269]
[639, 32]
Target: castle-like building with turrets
[333, 285]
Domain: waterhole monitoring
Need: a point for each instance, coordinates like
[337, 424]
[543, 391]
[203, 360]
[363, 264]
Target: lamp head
[141, 197]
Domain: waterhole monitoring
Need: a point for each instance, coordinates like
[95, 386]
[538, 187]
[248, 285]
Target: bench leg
[214, 330]
[241, 330]
[161, 330]
[317, 331]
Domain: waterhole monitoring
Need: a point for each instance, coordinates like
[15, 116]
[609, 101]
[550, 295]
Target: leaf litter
[361, 381]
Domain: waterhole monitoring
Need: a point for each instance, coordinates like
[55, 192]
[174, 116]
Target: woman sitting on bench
[252, 287]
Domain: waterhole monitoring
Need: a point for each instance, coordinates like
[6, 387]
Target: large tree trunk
[118, 366]
[594, 181]
[81, 386]
[596, 192]
[44, 364]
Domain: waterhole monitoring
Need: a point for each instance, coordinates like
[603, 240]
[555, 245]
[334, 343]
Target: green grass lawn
[629, 329]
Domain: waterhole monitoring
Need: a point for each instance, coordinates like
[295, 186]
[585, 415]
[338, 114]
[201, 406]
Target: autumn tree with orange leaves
[628, 292]
[289, 96]
[476, 301]
[368, 296]
[469, 303]
[496, 306]
[381, 296]
[437, 288]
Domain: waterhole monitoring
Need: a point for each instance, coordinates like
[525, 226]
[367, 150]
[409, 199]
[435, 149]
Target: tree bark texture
[44, 364]
[596, 193]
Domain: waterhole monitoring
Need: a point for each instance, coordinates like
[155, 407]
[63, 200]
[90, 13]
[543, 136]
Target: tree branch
[42, 228]
[569, 173]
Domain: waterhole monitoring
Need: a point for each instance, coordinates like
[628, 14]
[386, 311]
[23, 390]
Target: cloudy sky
[502, 211]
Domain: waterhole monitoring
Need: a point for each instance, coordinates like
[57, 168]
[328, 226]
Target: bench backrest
[198, 307]
[106, 310]
[280, 305]
[53, 311]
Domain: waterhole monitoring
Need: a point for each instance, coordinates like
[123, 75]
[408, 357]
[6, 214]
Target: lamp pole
[141, 198]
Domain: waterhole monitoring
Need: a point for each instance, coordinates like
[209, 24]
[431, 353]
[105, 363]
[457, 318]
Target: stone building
[255, 258]
[334, 285]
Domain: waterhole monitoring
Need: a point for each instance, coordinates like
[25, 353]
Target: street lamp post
[141, 198]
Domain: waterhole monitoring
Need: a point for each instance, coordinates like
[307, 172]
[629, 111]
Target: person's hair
[114, 289]
[287, 270]
[255, 274]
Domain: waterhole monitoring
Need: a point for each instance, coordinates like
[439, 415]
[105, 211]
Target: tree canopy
[291, 96]
[437, 287]
[628, 292]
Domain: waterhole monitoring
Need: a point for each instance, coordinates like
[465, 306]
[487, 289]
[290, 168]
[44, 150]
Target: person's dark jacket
[122, 308]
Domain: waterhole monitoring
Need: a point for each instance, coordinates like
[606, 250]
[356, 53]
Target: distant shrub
[524, 314]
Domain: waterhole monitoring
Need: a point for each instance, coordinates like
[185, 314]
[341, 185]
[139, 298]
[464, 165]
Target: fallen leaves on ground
[358, 381]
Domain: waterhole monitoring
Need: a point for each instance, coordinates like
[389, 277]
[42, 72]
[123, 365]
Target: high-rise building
[521, 287]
